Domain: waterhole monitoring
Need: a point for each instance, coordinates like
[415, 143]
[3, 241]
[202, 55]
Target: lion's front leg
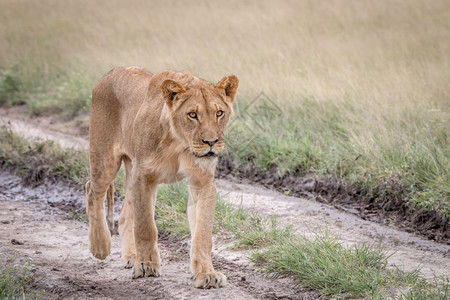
[202, 200]
[148, 262]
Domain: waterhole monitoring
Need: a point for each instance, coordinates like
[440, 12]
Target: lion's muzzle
[207, 148]
[209, 154]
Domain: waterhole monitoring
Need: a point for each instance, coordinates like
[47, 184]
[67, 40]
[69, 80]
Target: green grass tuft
[251, 230]
[15, 280]
[322, 263]
[171, 209]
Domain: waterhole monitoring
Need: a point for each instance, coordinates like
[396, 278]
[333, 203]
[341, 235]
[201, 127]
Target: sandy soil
[65, 268]
[35, 225]
[65, 133]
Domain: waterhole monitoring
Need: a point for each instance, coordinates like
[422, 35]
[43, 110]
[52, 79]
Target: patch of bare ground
[37, 220]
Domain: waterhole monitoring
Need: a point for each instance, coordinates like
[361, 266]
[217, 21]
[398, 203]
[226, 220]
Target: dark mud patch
[386, 204]
[56, 196]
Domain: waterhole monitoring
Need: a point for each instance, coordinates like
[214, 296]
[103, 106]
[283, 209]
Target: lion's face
[200, 114]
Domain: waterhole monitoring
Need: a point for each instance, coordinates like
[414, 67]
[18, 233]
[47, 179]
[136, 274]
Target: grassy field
[319, 263]
[360, 88]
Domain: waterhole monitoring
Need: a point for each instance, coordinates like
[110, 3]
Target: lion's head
[199, 113]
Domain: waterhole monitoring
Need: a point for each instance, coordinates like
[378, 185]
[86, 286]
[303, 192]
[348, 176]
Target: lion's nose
[210, 143]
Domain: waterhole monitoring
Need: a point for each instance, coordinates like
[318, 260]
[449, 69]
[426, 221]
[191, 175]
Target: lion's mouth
[209, 154]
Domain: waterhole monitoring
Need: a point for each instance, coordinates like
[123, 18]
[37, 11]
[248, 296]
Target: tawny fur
[165, 127]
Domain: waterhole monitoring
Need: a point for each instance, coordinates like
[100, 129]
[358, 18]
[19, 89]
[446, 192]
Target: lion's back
[122, 84]
[116, 98]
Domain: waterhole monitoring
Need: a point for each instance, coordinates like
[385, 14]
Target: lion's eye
[192, 115]
[219, 113]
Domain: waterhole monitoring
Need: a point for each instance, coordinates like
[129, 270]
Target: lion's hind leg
[103, 173]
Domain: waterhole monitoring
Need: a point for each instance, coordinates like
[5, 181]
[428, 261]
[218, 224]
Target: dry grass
[376, 52]
[366, 79]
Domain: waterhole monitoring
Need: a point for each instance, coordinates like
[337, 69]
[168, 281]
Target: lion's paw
[145, 270]
[100, 246]
[128, 261]
[209, 280]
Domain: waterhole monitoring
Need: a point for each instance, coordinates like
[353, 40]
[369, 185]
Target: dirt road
[65, 268]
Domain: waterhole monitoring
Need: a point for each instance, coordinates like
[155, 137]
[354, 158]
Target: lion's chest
[163, 170]
[170, 177]
[172, 167]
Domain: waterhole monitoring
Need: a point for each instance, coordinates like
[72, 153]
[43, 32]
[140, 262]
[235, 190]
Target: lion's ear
[230, 84]
[170, 89]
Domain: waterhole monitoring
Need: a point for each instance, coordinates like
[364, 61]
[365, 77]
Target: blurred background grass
[362, 86]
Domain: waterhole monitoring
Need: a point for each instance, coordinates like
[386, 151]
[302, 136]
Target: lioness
[164, 127]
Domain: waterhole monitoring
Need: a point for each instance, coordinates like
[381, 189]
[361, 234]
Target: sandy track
[58, 248]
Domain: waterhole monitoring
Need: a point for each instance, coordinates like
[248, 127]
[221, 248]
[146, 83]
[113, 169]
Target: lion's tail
[110, 201]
